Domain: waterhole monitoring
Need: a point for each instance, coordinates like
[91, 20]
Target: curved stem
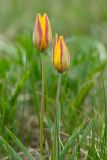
[42, 106]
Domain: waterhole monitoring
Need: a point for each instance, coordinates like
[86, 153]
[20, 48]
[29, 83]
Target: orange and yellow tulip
[42, 34]
[61, 56]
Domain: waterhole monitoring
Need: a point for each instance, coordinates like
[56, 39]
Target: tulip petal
[61, 57]
[42, 34]
[58, 56]
[66, 56]
[46, 29]
[39, 31]
[61, 51]
[48, 32]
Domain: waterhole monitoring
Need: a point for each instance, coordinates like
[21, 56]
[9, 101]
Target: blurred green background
[70, 17]
[84, 25]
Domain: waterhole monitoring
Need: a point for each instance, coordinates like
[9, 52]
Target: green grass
[83, 90]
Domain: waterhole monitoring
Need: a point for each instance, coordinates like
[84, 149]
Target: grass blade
[20, 145]
[86, 132]
[9, 149]
[70, 141]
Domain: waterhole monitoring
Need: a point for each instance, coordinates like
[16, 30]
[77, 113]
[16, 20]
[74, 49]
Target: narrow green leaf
[70, 141]
[20, 145]
[83, 93]
[8, 148]
[85, 134]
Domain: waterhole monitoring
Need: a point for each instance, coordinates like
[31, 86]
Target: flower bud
[42, 34]
[61, 56]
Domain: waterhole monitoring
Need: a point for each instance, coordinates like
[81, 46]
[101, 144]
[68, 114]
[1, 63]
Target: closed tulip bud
[42, 35]
[61, 56]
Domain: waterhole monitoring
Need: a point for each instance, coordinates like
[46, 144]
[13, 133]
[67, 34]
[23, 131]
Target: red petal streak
[46, 30]
[61, 53]
[39, 30]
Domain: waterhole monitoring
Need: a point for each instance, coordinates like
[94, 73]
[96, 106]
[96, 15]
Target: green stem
[56, 144]
[58, 115]
[42, 106]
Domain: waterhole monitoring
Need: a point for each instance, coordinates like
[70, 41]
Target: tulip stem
[56, 144]
[42, 106]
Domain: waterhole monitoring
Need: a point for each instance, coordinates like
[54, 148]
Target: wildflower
[61, 56]
[42, 34]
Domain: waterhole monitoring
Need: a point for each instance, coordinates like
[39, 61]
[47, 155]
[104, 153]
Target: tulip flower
[42, 35]
[61, 61]
[61, 56]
